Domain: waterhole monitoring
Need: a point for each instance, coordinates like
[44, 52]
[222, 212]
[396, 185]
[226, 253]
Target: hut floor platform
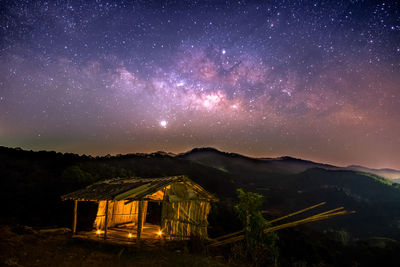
[121, 235]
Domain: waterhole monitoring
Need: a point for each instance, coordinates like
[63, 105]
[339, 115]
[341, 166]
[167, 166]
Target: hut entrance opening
[86, 216]
[128, 219]
[153, 215]
[131, 218]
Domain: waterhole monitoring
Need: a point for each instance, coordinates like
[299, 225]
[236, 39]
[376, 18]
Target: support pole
[75, 217]
[140, 220]
[162, 219]
[106, 220]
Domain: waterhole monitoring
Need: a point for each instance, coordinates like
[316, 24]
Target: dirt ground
[22, 246]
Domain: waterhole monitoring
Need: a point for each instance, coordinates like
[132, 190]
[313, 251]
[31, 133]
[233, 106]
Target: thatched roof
[132, 189]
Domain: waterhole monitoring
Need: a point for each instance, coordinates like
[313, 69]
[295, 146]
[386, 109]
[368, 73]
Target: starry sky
[318, 80]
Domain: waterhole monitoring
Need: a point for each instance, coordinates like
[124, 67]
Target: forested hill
[32, 183]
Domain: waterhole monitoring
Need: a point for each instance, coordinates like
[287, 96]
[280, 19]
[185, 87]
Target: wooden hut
[171, 207]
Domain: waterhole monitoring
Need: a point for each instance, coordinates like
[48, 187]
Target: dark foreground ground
[22, 247]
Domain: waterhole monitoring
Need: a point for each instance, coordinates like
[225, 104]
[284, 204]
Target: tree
[261, 247]
[74, 177]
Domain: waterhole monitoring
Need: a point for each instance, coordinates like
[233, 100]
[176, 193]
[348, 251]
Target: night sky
[318, 80]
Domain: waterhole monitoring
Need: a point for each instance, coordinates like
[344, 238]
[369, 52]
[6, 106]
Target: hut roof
[134, 188]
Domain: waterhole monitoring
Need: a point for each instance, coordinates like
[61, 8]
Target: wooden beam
[279, 219]
[106, 220]
[75, 217]
[329, 212]
[314, 218]
[228, 235]
[297, 212]
[140, 220]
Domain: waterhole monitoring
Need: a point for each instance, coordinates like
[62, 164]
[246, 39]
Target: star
[163, 123]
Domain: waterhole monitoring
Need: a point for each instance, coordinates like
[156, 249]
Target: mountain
[257, 166]
[386, 173]
[32, 183]
[290, 184]
[282, 165]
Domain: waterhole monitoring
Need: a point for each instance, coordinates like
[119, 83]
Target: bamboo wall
[183, 219]
[118, 213]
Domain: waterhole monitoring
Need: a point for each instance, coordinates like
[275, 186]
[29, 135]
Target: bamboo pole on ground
[274, 220]
[328, 212]
[307, 220]
[318, 217]
[297, 212]
[228, 235]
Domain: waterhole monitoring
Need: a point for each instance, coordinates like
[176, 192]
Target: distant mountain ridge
[386, 173]
[285, 164]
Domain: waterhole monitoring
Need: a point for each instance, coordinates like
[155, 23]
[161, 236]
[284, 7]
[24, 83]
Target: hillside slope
[32, 183]
[289, 184]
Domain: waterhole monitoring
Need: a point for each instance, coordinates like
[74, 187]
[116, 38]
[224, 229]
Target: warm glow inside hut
[169, 207]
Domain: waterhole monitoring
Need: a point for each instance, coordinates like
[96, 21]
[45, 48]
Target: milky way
[313, 79]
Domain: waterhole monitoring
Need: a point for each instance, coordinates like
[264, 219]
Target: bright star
[223, 51]
[163, 123]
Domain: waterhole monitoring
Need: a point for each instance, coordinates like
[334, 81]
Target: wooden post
[133, 208]
[75, 217]
[106, 220]
[140, 220]
[164, 215]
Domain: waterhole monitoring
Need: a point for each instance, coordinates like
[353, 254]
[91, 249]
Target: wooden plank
[75, 217]
[106, 221]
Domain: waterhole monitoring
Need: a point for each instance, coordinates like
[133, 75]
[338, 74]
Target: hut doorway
[154, 213]
[86, 216]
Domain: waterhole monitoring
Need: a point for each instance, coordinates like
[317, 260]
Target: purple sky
[312, 79]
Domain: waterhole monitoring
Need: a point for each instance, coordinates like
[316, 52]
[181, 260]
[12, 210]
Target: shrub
[261, 247]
